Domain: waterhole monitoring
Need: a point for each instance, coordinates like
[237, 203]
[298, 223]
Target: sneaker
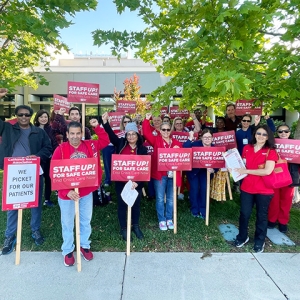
[137, 231]
[271, 225]
[259, 249]
[69, 260]
[106, 184]
[9, 244]
[38, 238]
[48, 203]
[240, 244]
[195, 215]
[283, 228]
[163, 225]
[180, 197]
[170, 224]
[87, 254]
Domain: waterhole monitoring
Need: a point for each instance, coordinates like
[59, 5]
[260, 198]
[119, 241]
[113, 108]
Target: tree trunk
[297, 131]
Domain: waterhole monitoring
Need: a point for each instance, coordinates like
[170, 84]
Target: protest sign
[115, 120]
[174, 159]
[163, 111]
[82, 92]
[182, 136]
[130, 167]
[127, 107]
[20, 183]
[208, 157]
[225, 139]
[243, 107]
[150, 148]
[288, 149]
[60, 102]
[74, 173]
[176, 112]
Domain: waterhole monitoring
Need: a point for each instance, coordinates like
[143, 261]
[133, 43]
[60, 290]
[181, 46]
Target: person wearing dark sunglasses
[280, 206]
[260, 157]
[163, 180]
[24, 140]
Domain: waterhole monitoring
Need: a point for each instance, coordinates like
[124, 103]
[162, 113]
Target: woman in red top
[163, 180]
[260, 151]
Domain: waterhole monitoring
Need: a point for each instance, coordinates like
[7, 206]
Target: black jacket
[39, 141]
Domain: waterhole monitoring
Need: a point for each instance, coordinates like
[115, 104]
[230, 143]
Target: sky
[79, 35]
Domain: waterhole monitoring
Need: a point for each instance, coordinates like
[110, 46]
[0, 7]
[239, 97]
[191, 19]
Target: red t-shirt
[127, 150]
[254, 184]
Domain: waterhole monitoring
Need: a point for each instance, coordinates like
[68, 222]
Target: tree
[27, 30]
[218, 50]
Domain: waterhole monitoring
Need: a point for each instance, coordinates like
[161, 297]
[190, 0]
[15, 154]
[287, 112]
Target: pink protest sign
[243, 107]
[82, 92]
[182, 136]
[20, 183]
[208, 157]
[226, 139]
[163, 111]
[176, 112]
[288, 149]
[74, 173]
[126, 106]
[130, 167]
[115, 120]
[174, 159]
[61, 102]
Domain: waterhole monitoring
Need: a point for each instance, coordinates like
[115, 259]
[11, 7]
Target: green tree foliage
[27, 30]
[217, 50]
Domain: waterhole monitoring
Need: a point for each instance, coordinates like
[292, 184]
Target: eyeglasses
[131, 134]
[166, 129]
[24, 115]
[263, 134]
[207, 137]
[248, 121]
[283, 131]
[178, 123]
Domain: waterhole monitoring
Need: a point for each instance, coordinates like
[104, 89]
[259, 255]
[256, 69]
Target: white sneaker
[170, 224]
[180, 196]
[163, 225]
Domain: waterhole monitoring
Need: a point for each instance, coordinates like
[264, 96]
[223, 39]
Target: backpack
[100, 198]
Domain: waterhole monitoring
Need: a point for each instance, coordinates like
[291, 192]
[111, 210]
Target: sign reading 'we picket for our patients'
[130, 167]
[208, 157]
[20, 183]
[82, 92]
[74, 173]
[174, 159]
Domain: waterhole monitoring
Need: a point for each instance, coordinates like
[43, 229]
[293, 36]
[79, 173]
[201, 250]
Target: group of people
[255, 143]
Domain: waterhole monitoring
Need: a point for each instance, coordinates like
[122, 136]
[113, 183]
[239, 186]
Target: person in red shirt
[73, 149]
[163, 180]
[260, 157]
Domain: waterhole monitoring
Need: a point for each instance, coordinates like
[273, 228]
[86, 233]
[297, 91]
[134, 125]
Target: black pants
[46, 169]
[262, 205]
[122, 206]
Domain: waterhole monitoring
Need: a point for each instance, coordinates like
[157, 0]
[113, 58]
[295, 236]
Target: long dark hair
[38, 114]
[206, 130]
[270, 142]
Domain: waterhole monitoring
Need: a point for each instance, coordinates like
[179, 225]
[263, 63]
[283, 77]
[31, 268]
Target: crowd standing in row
[255, 144]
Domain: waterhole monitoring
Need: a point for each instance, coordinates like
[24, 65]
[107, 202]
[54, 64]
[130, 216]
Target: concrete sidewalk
[153, 276]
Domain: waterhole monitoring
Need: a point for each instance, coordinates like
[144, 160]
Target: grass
[192, 236]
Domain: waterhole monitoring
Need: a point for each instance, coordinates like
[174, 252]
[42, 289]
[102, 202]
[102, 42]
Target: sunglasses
[248, 121]
[263, 134]
[283, 131]
[166, 129]
[24, 115]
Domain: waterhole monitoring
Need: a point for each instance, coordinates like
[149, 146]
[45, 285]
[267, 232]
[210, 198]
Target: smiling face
[206, 139]
[43, 119]
[246, 121]
[74, 115]
[283, 132]
[23, 117]
[261, 136]
[230, 111]
[74, 136]
[178, 124]
[220, 124]
[132, 137]
[165, 131]
[157, 122]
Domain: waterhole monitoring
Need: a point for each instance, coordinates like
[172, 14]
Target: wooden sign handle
[19, 236]
[128, 231]
[77, 226]
[174, 202]
[207, 198]
[228, 185]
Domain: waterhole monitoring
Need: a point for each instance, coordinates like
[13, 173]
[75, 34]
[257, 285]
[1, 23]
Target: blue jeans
[36, 215]
[67, 212]
[107, 152]
[162, 187]
[151, 190]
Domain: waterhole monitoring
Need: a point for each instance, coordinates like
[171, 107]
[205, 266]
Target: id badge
[245, 141]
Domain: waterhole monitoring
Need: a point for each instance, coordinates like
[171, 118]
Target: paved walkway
[153, 276]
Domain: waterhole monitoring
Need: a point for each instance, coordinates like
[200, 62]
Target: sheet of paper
[128, 194]
[234, 161]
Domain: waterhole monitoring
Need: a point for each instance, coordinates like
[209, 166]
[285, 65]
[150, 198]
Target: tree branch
[270, 33]
[3, 5]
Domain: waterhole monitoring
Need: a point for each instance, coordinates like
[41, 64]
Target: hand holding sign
[191, 135]
[73, 196]
[105, 118]
[94, 122]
